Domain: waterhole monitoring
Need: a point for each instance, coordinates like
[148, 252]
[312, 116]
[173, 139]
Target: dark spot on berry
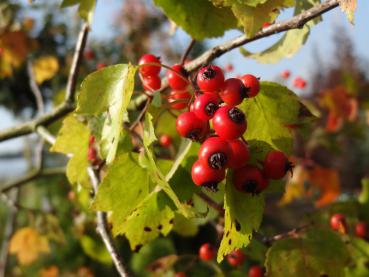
[194, 134]
[211, 108]
[236, 115]
[147, 229]
[217, 160]
[229, 241]
[160, 227]
[171, 221]
[209, 73]
[137, 248]
[238, 226]
[250, 186]
[211, 186]
[244, 91]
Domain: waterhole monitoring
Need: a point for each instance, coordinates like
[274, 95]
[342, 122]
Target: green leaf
[85, 10]
[153, 217]
[243, 215]
[73, 140]
[270, 114]
[291, 42]
[185, 227]
[364, 195]
[318, 253]
[252, 18]
[199, 18]
[124, 180]
[360, 255]
[252, 3]
[95, 249]
[107, 93]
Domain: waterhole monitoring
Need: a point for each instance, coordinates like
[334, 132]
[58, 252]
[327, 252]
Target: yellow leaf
[45, 68]
[14, 49]
[349, 7]
[27, 243]
[51, 271]
[295, 188]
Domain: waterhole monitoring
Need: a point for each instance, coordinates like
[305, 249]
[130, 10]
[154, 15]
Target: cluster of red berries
[207, 252]
[338, 223]
[92, 155]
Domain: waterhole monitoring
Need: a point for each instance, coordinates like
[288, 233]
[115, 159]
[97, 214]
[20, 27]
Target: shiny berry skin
[165, 140]
[229, 122]
[285, 74]
[215, 152]
[92, 154]
[174, 78]
[233, 92]
[205, 106]
[207, 252]
[210, 78]
[249, 179]
[276, 165]
[180, 274]
[255, 271]
[149, 70]
[203, 175]
[178, 99]
[252, 85]
[236, 258]
[361, 230]
[151, 83]
[190, 126]
[338, 223]
[240, 153]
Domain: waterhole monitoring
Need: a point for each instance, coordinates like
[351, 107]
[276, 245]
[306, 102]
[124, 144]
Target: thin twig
[77, 59]
[295, 22]
[35, 89]
[211, 202]
[104, 230]
[292, 233]
[8, 231]
[141, 115]
[188, 50]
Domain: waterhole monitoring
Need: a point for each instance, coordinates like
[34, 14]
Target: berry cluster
[339, 223]
[215, 104]
[207, 252]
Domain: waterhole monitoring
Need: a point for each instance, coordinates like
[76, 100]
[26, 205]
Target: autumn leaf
[349, 7]
[45, 68]
[51, 271]
[27, 243]
[295, 188]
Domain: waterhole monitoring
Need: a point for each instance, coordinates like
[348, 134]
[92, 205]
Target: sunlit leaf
[349, 7]
[45, 68]
[85, 9]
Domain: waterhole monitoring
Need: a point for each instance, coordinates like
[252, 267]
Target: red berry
[236, 258]
[89, 55]
[151, 83]
[240, 153]
[207, 252]
[180, 274]
[177, 77]
[165, 140]
[229, 67]
[276, 165]
[249, 179]
[215, 152]
[255, 271]
[149, 70]
[338, 223]
[285, 74]
[203, 175]
[190, 126]
[210, 78]
[205, 106]
[299, 83]
[266, 24]
[100, 66]
[233, 92]
[229, 122]
[252, 85]
[92, 154]
[361, 230]
[91, 141]
[178, 99]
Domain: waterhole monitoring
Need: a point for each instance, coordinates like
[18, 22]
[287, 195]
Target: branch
[103, 230]
[295, 22]
[211, 202]
[35, 89]
[292, 233]
[188, 50]
[60, 111]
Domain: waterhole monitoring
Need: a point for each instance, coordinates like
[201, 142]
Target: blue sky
[300, 64]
